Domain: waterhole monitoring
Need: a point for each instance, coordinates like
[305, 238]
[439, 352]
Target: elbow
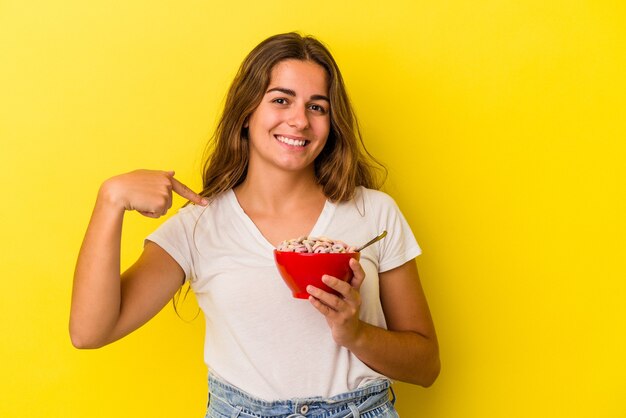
[84, 341]
[429, 367]
[431, 374]
[83, 344]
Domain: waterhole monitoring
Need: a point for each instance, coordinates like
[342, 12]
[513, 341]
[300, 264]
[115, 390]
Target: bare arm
[106, 305]
[408, 349]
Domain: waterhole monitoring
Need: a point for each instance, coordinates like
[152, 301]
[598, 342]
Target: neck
[279, 191]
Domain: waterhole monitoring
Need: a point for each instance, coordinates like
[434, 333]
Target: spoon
[378, 238]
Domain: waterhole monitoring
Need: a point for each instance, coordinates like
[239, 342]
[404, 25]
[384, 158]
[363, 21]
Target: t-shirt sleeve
[400, 245]
[172, 236]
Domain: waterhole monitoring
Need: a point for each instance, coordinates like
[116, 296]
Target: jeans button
[304, 409]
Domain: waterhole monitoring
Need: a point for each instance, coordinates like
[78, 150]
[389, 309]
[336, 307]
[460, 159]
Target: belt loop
[393, 395]
[237, 412]
[354, 410]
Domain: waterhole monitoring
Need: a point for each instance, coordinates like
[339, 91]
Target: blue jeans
[369, 401]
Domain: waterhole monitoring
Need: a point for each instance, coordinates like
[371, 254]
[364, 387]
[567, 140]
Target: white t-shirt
[258, 337]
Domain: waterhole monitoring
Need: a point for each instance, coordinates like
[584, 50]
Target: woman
[287, 161]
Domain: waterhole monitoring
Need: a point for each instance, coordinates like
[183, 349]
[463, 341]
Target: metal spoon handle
[378, 238]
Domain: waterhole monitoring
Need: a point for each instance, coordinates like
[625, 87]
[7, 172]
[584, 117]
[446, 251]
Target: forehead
[299, 75]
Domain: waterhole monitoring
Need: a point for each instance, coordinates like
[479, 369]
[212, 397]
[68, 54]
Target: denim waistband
[234, 402]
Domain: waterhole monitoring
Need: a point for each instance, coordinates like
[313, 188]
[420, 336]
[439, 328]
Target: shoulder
[374, 198]
[369, 204]
[186, 215]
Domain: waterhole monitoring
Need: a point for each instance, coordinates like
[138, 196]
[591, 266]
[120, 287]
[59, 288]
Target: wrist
[358, 338]
[109, 196]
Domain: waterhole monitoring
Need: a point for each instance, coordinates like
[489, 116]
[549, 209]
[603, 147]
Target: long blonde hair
[342, 165]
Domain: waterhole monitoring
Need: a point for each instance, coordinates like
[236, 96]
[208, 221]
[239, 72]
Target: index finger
[184, 191]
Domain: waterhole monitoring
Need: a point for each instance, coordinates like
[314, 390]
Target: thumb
[359, 274]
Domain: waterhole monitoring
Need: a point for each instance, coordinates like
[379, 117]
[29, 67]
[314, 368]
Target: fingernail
[204, 202]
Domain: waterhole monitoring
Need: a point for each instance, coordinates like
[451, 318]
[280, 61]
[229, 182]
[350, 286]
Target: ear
[246, 124]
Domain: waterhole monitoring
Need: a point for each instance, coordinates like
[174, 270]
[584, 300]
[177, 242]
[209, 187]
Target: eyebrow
[293, 93]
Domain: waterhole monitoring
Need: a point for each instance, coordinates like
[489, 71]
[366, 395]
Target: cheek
[323, 128]
[260, 119]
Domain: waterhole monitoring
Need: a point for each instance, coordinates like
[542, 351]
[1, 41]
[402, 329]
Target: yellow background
[503, 126]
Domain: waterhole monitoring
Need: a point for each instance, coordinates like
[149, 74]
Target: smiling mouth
[291, 141]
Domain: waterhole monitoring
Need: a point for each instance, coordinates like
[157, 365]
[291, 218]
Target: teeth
[289, 141]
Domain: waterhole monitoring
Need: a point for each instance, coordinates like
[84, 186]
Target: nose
[298, 118]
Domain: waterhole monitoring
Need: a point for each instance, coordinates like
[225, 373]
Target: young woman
[287, 161]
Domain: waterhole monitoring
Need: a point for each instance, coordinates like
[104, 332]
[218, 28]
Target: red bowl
[299, 270]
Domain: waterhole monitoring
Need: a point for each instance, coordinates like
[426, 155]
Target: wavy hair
[343, 164]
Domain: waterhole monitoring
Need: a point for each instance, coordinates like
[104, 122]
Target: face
[289, 128]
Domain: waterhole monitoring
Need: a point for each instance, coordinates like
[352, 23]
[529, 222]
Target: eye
[317, 108]
[280, 101]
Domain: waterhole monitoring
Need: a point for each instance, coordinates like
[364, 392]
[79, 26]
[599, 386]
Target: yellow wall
[502, 123]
